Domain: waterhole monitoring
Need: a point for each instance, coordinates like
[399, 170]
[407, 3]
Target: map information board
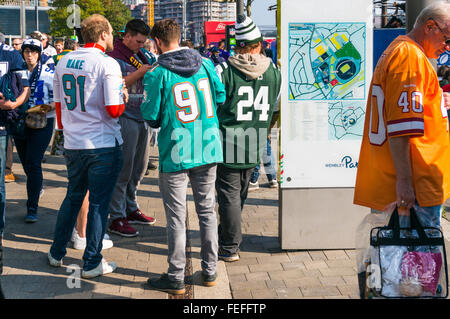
[326, 64]
[327, 61]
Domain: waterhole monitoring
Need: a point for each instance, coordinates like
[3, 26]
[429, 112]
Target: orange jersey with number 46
[404, 100]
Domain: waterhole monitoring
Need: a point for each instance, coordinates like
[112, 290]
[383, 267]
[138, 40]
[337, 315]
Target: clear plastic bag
[396, 262]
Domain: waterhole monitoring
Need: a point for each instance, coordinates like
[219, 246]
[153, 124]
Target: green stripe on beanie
[246, 31]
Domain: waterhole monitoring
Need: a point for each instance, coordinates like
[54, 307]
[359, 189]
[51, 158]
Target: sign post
[326, 64]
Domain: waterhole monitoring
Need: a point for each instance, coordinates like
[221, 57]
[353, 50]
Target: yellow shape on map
[320, 50]
[344, 37]
[345, 68]
[336, 44]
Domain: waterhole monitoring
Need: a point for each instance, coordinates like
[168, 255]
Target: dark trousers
[31, 151]
[232, 191]
[9, 156]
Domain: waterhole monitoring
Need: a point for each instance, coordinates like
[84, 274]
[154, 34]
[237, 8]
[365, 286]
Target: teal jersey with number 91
[185, 110]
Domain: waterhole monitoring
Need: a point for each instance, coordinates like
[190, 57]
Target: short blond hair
[93, 26]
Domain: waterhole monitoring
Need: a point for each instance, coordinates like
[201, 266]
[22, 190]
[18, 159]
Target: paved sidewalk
[264, 271]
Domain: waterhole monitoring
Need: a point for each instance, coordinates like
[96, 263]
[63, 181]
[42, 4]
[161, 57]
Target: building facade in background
[193, 18]
[11, 20]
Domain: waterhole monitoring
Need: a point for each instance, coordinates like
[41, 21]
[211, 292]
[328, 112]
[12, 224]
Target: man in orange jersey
[405, 153]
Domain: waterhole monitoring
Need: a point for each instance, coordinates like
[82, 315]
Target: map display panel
[327, 61]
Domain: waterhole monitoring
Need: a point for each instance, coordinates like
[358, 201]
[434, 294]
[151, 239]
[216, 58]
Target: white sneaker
[74, 234]
[53, 262]
[107, 242]
[102, 269]
[80, 242]
[273, 183]
[253, 186]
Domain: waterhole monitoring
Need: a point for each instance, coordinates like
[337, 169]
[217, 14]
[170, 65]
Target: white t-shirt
[85, 82]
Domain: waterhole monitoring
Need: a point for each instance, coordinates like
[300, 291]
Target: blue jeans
[95, 170]
[428, 216]
[3, 146]
[31, 151]
[269, 165]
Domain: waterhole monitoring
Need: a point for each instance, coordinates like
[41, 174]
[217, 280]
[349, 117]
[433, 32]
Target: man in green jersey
[252, 83]
[69, 46]
[181, 92]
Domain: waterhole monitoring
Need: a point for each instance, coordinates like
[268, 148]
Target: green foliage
[117, 13]
[114, 10]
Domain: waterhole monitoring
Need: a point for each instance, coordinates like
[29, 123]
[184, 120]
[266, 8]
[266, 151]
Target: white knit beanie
[246, 31]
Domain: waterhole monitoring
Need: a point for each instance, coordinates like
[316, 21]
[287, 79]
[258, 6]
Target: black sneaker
[163, 283]
[209, 280]
[31, 217]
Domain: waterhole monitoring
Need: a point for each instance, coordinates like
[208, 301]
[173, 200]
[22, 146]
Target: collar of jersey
[94, 45]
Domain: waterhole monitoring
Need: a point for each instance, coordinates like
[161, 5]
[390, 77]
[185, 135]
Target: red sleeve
[58, 115]
[115, 110]
[446, 88]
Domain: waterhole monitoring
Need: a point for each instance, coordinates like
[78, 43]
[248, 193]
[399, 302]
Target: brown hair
[166, 30]
[92, 27]
[248, 48]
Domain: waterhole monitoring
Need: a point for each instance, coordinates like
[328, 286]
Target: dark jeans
[31, 151]
[95, 170]
[3, 146]
[9, 156]
[232, 191]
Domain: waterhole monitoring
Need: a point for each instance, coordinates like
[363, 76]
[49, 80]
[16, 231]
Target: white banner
[326, 62]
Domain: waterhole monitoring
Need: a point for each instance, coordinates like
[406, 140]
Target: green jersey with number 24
[245, 117]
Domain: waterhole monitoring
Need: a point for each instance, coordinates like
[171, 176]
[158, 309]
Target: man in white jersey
[88, 93]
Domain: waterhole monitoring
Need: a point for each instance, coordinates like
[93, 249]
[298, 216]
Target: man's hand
[144, 68]
[446, 100]
[137, 75]
[405, 196]
[6, 104]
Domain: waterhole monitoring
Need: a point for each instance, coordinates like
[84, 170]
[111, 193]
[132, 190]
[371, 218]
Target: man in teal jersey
[252, 83]
[181, 94]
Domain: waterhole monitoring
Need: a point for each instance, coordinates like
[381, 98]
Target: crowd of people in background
[102, 197]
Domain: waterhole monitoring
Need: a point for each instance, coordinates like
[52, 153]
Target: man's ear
[429, 26]
[103, 35]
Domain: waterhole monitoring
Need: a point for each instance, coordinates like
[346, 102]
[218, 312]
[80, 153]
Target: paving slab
[264, 270]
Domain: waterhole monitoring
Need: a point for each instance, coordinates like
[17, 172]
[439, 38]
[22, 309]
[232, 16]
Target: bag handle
[394, 223]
